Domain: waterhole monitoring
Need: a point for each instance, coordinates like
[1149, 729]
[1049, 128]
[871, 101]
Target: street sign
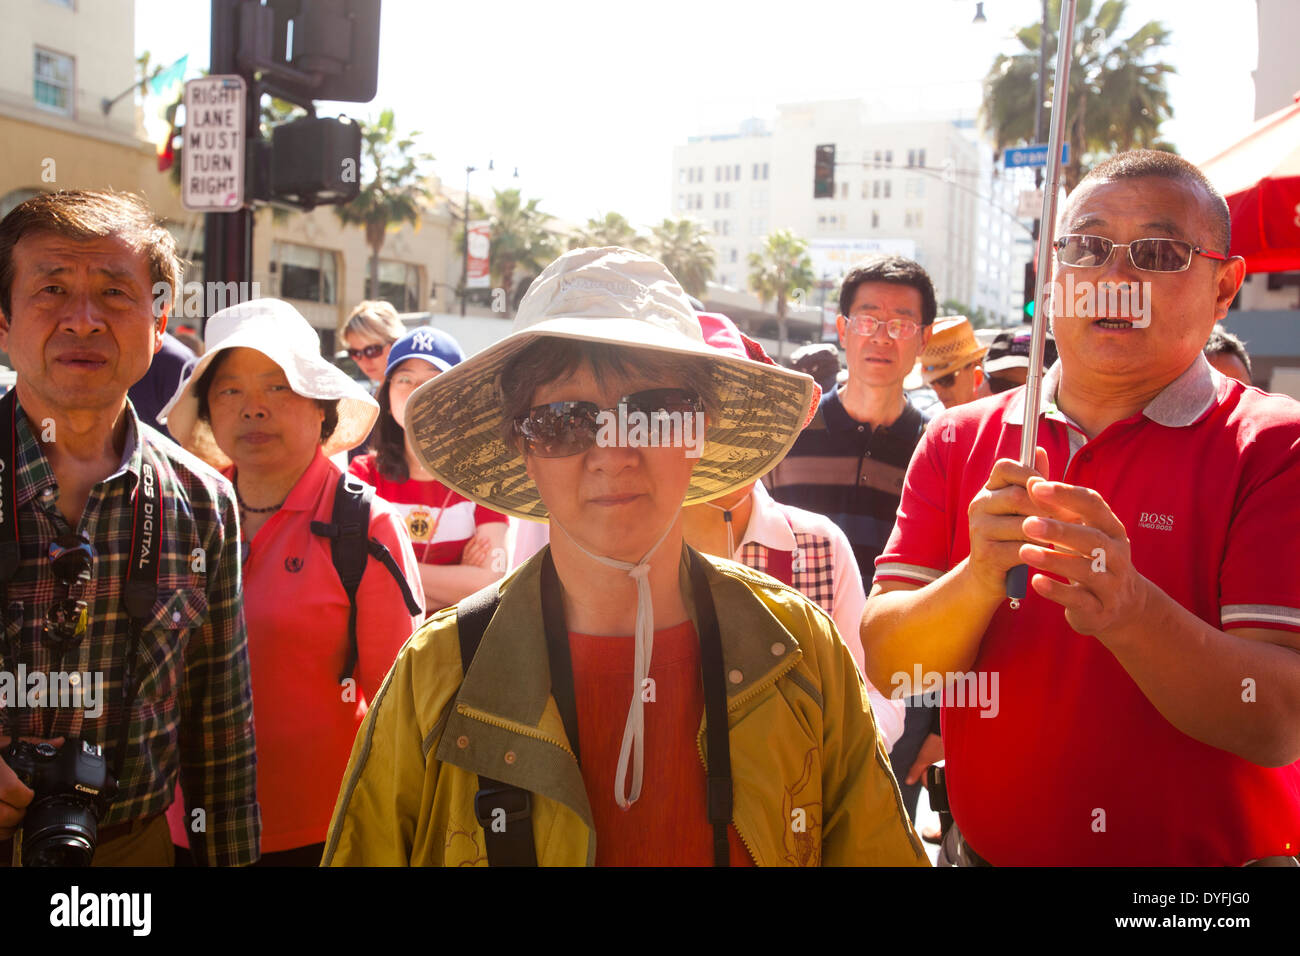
[212, 158]
[1031, 156]
[1030, 205]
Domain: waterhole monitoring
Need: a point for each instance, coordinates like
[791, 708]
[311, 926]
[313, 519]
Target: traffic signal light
[316, 161]
[1030, 282]
[824, 172]
[334, 53]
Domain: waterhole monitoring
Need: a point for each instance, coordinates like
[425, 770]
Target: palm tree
[1117, 96]
[682, 245]
[613, 230]
[521, 239]
[781, 267]
[395, 193]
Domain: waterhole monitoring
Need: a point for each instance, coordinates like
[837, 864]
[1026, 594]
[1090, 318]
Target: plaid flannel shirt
[193, 714]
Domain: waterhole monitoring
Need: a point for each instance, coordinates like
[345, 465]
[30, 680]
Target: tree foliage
[1117, 93]
[682, 245]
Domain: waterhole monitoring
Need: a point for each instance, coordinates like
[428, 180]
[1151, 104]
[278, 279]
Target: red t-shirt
[439, 521]
[669, 824]
[1077, 766]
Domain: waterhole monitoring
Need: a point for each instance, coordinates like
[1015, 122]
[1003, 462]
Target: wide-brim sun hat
[610, 296]
[279, 331]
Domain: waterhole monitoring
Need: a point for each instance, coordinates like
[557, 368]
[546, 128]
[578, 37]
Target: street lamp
[464, 267]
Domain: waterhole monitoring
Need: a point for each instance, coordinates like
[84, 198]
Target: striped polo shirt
[850, 472]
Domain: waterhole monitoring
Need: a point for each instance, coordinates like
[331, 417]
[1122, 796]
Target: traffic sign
[1031, 156]
[212, 158]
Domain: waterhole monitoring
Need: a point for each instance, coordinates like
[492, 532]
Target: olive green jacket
[812, 784]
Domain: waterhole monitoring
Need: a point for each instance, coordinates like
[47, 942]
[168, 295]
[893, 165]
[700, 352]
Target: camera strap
[141, 590]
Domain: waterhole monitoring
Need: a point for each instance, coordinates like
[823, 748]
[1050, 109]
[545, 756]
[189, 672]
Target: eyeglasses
[949, 380]
[863, 323]
[370, 352]
[562, 429]
[1148, 255]
[71, 558]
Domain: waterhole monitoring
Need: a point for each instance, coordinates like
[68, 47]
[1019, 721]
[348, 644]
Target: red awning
[1260, 178]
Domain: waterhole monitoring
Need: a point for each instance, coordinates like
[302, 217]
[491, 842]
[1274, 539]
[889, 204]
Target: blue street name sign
[1032, 156]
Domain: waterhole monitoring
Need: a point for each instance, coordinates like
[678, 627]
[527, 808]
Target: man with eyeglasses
[849, 463]
[1148, 705]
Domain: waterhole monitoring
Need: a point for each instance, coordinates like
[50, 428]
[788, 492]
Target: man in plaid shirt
[86, 284]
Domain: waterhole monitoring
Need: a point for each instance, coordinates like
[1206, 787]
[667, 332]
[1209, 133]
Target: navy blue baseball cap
[432, 345]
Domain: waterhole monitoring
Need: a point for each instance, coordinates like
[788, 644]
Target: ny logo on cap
[423, 341]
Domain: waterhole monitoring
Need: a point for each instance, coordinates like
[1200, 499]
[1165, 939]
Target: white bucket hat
[612, 296]
[277, 330]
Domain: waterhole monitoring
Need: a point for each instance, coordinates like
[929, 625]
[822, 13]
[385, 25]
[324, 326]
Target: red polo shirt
[1077, 767]
[296, 612]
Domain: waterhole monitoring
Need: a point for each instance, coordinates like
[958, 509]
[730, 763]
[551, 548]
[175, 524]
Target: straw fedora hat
[612, 296]
[277, 330]
[952, 346]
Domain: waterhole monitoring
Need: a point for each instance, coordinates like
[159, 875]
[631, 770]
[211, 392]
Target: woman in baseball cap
[460, 545]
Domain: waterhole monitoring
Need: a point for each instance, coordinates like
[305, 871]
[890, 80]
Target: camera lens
[59, 831]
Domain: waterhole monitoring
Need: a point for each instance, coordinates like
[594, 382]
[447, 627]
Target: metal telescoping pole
[1018, 577]
[464, 262]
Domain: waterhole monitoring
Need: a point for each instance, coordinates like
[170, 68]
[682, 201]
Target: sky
[587, 99]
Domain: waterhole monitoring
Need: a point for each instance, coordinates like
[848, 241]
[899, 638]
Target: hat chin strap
[634, 730]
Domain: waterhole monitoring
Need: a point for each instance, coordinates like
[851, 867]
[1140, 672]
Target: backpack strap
[351, 548]
[511, 845]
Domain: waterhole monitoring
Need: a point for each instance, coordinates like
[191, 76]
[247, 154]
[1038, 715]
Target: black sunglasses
[370, 352]
[949, 380]
[71, 558]
[561, 429]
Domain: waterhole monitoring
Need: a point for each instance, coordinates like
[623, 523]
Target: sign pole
[228, 236]
[1018, 577]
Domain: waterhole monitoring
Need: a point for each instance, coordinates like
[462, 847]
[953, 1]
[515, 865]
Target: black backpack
[351, 547]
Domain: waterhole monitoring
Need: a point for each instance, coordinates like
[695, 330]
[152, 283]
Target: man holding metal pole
[1142, 704]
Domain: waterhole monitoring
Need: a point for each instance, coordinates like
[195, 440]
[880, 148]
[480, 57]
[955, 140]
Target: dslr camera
[73, 789]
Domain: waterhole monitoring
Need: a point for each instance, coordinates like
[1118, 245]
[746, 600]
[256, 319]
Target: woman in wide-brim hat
[265, 407]
[616, 657]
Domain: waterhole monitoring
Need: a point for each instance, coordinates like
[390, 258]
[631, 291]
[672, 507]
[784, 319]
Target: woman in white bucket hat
[619, 699]
[263, 405]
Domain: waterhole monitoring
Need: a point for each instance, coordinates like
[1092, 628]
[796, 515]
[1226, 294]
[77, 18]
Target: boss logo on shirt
[1156, 522]
[293, 565]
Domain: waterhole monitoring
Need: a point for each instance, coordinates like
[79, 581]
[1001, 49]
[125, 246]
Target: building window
[844, 190]
[766, 171]
[306, 273]
[889, 157]
[912, 219]
[887, 188]
[920, 157]
[875, 219]
[737, 169]
[911, 158]
[53, 85]
[717, 174]
[735, 255]
[875, 189]
[879, 159]
[399, 283]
